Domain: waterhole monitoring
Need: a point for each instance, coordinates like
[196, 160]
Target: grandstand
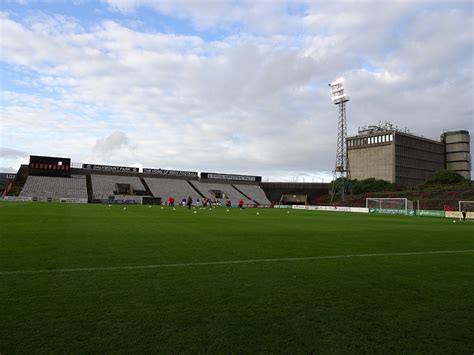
[221, 192]
[56, 178]
[255, 192]
[104, 186]
[177, 188]
[55, 187]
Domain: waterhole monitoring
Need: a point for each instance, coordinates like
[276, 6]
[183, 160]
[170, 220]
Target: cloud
[11, 153]
[11, 159]
[255, 100]
[264, 17]
[111, 144]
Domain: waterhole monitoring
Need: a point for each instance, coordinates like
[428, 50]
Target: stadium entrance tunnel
[218, 194]
[122, 189]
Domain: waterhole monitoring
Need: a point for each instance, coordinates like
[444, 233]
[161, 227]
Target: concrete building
[457, 145]
[384, 152]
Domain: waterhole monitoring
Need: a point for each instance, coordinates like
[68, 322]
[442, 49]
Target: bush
[372, 185]
[446, 177]
[357, 187]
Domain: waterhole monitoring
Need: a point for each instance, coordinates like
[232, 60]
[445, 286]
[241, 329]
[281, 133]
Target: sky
[226, 86]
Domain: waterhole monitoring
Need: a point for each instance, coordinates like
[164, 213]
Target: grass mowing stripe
[113, 268]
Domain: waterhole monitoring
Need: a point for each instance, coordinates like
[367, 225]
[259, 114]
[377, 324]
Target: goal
[468, 205]
[390, 205]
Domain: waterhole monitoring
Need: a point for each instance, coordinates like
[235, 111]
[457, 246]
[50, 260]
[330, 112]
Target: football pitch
[94, 278]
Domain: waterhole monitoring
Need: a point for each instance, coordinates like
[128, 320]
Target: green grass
[376, 304]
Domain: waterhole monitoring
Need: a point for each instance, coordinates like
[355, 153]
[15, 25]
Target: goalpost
[469, 208]
[468, 205]
[390, 205]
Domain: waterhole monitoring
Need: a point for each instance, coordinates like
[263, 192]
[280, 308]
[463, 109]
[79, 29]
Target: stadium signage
[217, 176]
[455, 214]
[127, 200]
[49, 166]
[391, 211]
[170, 172]
[72, 200]
[328, 208]
[109, 168]
[334, 208]
[359, 209]
[431, 213]
[7, 177]
[18, 198]
[299, 207]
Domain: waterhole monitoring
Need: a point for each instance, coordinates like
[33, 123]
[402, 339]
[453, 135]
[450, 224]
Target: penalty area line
[228, 262]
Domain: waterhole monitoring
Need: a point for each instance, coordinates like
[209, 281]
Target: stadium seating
[55, 187]
[254, 192]
[166, 188]
[103, 186]
[231, 193]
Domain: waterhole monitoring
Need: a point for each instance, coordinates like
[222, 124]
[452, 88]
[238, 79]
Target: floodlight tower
[341, 172]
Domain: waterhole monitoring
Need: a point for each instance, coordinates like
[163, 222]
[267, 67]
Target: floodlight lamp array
[337, 91]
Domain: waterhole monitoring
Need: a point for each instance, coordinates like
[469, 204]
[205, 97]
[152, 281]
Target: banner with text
[72, 200]
[430, 213]
[18, 198]
[392, 211]
[330, 208]
[170, 172]
[455, 214]
[232, 177]
[109, 168]
[7, 176]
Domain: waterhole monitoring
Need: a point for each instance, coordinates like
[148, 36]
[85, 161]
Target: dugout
[293, 199]
[313, 191]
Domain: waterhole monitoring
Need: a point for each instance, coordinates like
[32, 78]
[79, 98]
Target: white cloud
[11, 153]
[11, 159]
[115, 145]
[253, 102]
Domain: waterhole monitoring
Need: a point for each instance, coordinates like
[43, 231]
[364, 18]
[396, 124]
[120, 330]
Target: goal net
[390, 205]
[468, 205]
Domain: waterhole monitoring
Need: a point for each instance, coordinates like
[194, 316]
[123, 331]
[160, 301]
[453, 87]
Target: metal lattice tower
[341, 171]
[341, 156]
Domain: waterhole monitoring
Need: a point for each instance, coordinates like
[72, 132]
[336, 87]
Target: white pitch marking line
[251, 261]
